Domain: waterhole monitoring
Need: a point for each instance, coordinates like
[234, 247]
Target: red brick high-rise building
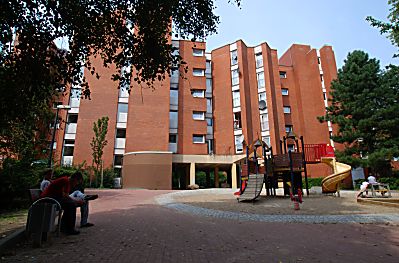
[201, 122]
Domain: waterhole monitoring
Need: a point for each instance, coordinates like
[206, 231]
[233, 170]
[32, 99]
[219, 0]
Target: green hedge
[15, 178]
[312, 182]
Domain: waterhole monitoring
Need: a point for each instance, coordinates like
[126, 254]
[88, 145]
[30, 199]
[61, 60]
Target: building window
[237, 120]
[259, 60]
[197, 138]
[238, 139]
[208, 66]
[264, 122]
[236, 98]
[118, 159]
[174, 97]
[288, 128]
[174, 86]
[284, 92]
[266, 139]
[324, 96]
[72, 118]
[74, 100]
[198, 93]
[209, 122]
[234, 77]
[283, 74]
[262, 96]
[174, 73]
[210, 146]
[198, 52]
[172, 138]
[287, 109]
[120, 133]
[68, 150]
[173, 120]
[197, 72]
[69, 142]
[321, 78]
[261, 80]
[318, 60]
[234, 57]
[122, 112]
[208, 85]
[199, 115]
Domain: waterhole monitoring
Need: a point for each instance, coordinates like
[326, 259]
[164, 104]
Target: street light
[59, 107]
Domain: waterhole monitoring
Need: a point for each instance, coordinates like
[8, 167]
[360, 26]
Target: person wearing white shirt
[371, 179]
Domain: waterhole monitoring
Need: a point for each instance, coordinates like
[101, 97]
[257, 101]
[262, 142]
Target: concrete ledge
[11, 240]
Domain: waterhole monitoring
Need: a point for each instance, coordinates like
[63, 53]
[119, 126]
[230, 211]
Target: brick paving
[132, 227]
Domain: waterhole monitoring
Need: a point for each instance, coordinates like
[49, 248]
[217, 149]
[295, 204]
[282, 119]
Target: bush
[108, 177]
[392, 181]
[16, 177]
[312, 182]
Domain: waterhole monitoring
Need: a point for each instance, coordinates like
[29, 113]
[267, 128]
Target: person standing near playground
[363, 188]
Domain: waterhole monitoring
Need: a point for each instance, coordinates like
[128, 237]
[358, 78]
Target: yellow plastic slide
[330, 184]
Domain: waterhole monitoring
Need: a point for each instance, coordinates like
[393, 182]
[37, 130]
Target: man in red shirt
[59, 190]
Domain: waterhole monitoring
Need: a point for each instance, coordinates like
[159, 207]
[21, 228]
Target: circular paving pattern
[177, 201]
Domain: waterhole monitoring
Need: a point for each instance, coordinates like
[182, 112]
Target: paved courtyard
[149, 226]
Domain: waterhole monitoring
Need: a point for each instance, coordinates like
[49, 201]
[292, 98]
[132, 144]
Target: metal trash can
[117, 182]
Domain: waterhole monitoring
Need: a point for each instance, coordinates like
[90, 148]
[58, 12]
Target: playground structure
[262, 168]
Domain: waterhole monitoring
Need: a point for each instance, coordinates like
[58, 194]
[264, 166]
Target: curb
[11, 240]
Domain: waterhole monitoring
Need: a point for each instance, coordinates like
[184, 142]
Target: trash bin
[117, 182]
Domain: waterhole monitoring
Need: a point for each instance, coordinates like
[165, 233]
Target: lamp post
[59, 107]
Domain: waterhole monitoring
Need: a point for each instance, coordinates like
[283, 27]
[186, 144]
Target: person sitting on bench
[59, 190]
[76, 194]
[48, 174]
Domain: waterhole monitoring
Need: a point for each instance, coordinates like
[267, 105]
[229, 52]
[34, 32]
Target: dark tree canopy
[127, 33]
[365, 105]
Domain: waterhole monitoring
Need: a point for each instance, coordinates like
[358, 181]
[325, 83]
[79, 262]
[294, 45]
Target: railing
[314, 152]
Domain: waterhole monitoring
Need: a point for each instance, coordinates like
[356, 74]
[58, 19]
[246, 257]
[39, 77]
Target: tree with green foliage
[364, 104]
[390, 28]
[98, 142]
[125, 33]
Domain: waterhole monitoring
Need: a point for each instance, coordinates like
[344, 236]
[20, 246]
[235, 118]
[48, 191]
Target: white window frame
[238, 143]
[197, 52]
[257, 56]
[236, 98]
[264, 122]
[284, 92]
[198, 136]
[261, 80]
[234, 57]
[283, 74]
[287, 109]
[198, 93]
[173, 120]
[198, 115]
[235, 77]
[198, 72]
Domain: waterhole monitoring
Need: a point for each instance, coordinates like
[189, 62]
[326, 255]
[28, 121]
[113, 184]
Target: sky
[339, 23]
